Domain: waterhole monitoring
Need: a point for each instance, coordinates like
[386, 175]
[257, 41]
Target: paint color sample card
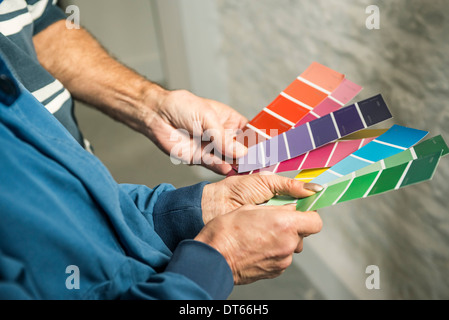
[325, 156]
[318, 86]
[403, 136]
[309, 174]
[425, 148]
[314, 134]
[369, 184]
[395, 140]
[304, 176]
[341, 96]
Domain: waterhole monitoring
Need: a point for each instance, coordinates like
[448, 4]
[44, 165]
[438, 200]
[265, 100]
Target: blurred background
[244, 53]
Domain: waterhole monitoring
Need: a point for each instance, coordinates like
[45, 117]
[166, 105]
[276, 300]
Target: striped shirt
[20, 20]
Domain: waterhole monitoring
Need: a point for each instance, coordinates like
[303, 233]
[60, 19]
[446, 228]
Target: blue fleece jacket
[69, 231]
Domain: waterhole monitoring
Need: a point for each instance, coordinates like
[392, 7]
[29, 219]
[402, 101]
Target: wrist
[212, 201]
[148, 103]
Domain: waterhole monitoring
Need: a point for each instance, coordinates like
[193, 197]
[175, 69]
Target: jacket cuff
[203, 265]
[177, 214]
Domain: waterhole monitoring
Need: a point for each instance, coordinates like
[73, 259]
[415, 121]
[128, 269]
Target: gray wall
[406, 233]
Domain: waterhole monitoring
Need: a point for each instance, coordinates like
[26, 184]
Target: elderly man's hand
[258, 242]
[237, 191]
[196, 130]
[144, 106]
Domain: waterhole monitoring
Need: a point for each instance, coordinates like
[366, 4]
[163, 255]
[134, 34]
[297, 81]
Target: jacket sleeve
[196, 271]
[11, 271]
[175, 213]
[195, 268]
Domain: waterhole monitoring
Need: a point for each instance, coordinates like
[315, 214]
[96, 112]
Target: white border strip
[389, 144]
[372, 184]
[398, 185]
[346, 189]
[262, 151]
[413, 153]
[274, 114]
[258, 131]
[276, 167]
[334, 173]
[311, 135]
[361, 143]
[302, 104]
[287, 147]
[316, 199]
[313, 85]
[303, 160]
[337, 101]
[360, 115]
[315, 114]
[360, 158]
[335, 125]
[332, 154]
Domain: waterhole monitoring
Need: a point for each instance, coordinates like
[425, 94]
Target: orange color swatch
[323, 76]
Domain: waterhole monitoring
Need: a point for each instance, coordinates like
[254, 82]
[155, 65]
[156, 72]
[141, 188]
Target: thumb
[289, 187]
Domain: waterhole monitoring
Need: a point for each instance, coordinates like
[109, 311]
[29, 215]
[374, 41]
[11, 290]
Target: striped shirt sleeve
[44, 13]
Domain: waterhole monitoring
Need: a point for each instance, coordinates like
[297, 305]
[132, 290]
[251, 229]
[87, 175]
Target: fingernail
[313, 187]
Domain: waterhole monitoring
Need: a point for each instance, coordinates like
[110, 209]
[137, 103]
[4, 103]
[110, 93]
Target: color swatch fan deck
[308, 133]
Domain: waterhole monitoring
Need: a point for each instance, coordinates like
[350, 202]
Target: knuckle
[299, 247]
[283, 224]
[290, 183]
[285, 263]
[287, 248]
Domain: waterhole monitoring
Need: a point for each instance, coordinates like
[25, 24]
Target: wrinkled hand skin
[180, 109]
[258, 242]
[236, 191]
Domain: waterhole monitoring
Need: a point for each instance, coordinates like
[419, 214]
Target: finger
[224, 138]
[228, 146]
[212, 160]
[300, 245]
[216, 165]
[305, 223]
[308, 222]
[285, 207]
[290, 187]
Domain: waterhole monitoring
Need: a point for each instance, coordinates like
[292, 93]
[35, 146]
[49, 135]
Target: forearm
[91, 75]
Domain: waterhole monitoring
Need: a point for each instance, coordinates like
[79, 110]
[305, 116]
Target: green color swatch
[422, 149]
[281, 200]
[372, 183]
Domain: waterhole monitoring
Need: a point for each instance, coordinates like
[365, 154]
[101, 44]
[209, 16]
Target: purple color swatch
[348, 120]
[316, 133]
[323, 131]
